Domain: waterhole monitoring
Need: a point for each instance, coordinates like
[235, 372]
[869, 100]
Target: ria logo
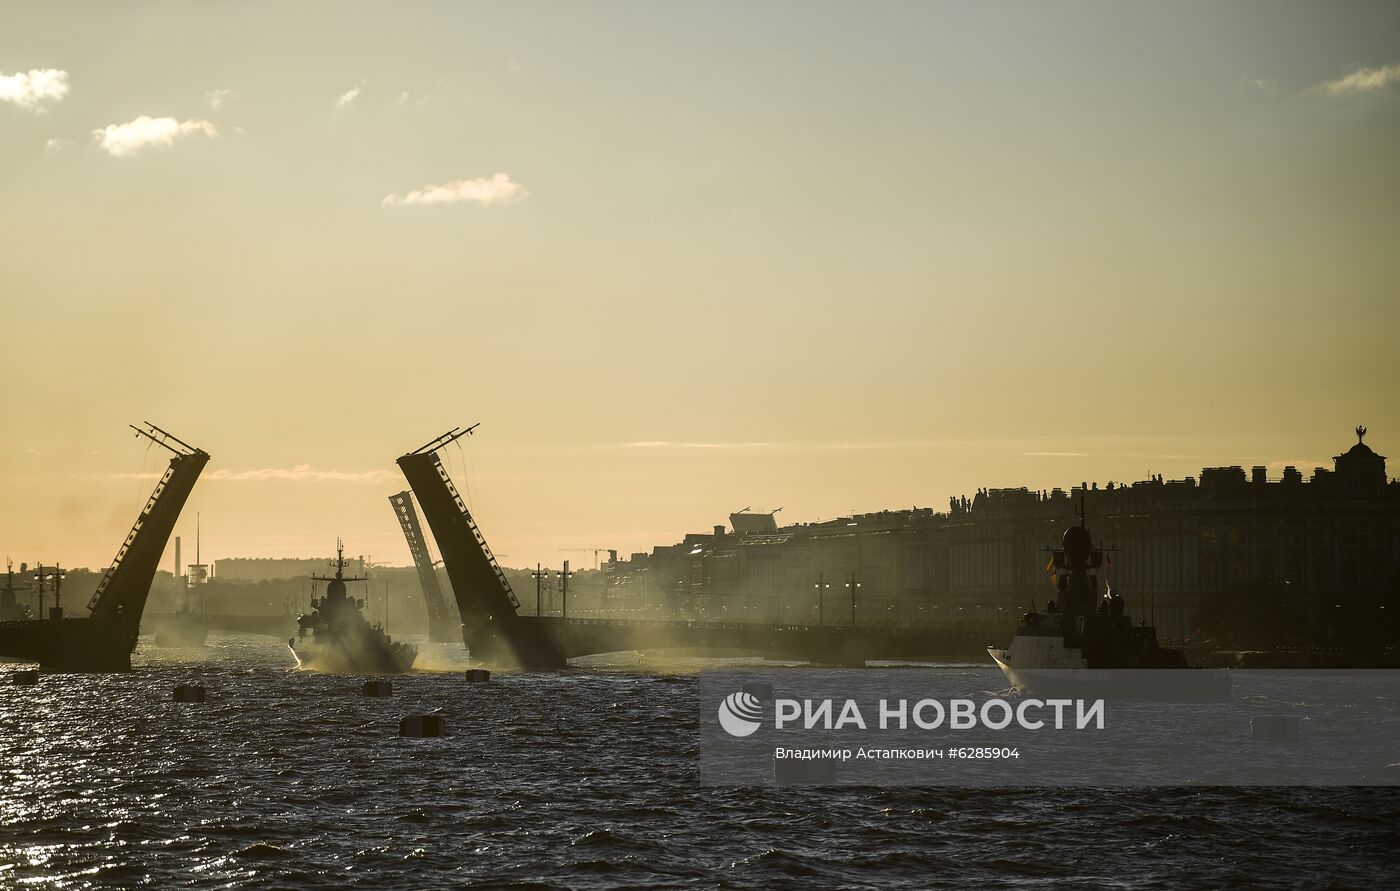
[739, 714]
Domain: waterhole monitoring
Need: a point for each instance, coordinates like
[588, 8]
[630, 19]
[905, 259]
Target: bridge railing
[131, 537]
[476, 532]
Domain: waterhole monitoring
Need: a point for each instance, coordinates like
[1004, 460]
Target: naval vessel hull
[333, 659]
[1057, 679]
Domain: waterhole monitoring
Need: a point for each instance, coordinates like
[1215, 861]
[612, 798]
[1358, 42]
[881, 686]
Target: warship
[186, 628]
[334, 636]
[1085, 644]
[11, 610]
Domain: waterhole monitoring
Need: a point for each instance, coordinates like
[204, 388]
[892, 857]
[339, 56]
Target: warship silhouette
[334, 636]
[11, 610]
[186, 628]
[1086, 645]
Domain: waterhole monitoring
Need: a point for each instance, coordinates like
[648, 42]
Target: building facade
[1174, 545]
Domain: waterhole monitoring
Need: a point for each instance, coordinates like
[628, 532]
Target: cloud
[35, 89]
[349, 96]
[1364, 80]
[1266, 85]
[780, 446]
[486, 191]
[58, 144]
[216, 98]
[125, 140]
[667, 444]
[1303, 464]
[301, 473]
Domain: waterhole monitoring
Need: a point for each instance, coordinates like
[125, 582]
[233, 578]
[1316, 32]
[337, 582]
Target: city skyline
[831, 261]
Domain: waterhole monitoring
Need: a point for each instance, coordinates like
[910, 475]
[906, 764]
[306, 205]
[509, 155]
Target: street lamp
[564, 586]
[820, 588]
[56, 575]
[540, 576]
[853, 586]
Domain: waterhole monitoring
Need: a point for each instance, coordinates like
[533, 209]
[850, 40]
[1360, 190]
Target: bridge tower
[443, 622]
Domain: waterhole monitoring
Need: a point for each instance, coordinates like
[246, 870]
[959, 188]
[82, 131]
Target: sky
[680, 258]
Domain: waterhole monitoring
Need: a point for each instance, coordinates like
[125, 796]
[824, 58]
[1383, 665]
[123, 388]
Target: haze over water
[583, 778]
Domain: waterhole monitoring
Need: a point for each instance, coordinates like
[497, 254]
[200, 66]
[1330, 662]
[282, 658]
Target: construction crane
[596, 552]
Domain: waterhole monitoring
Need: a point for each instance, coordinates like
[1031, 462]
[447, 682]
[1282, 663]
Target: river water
[585, 779]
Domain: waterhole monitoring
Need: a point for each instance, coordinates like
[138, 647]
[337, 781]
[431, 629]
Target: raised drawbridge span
[105, 639]
[443, 622]
[492, 627]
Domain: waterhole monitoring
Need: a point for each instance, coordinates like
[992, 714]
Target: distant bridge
[240, 623]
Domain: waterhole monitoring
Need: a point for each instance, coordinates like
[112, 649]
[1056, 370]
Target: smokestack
[177, 558]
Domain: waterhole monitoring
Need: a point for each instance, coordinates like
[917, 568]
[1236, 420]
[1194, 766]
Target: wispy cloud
[348, 98]
[58, 144]
[1364, 81]
[217, 98]
[125, 140]
[1266, 85]
[777, 446]
[668, 444]
[1116, 455]
[1304, 464]
[486, 191]
[34, 90]
[300, 473]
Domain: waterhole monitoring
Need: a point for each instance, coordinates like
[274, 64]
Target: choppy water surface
[584, 778]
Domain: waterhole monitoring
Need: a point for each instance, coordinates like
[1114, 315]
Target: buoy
[189, 693]
[423, 725]
[1274, 728]
[379, 688]
[478, 676]
[28, 678]
[759, 690]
